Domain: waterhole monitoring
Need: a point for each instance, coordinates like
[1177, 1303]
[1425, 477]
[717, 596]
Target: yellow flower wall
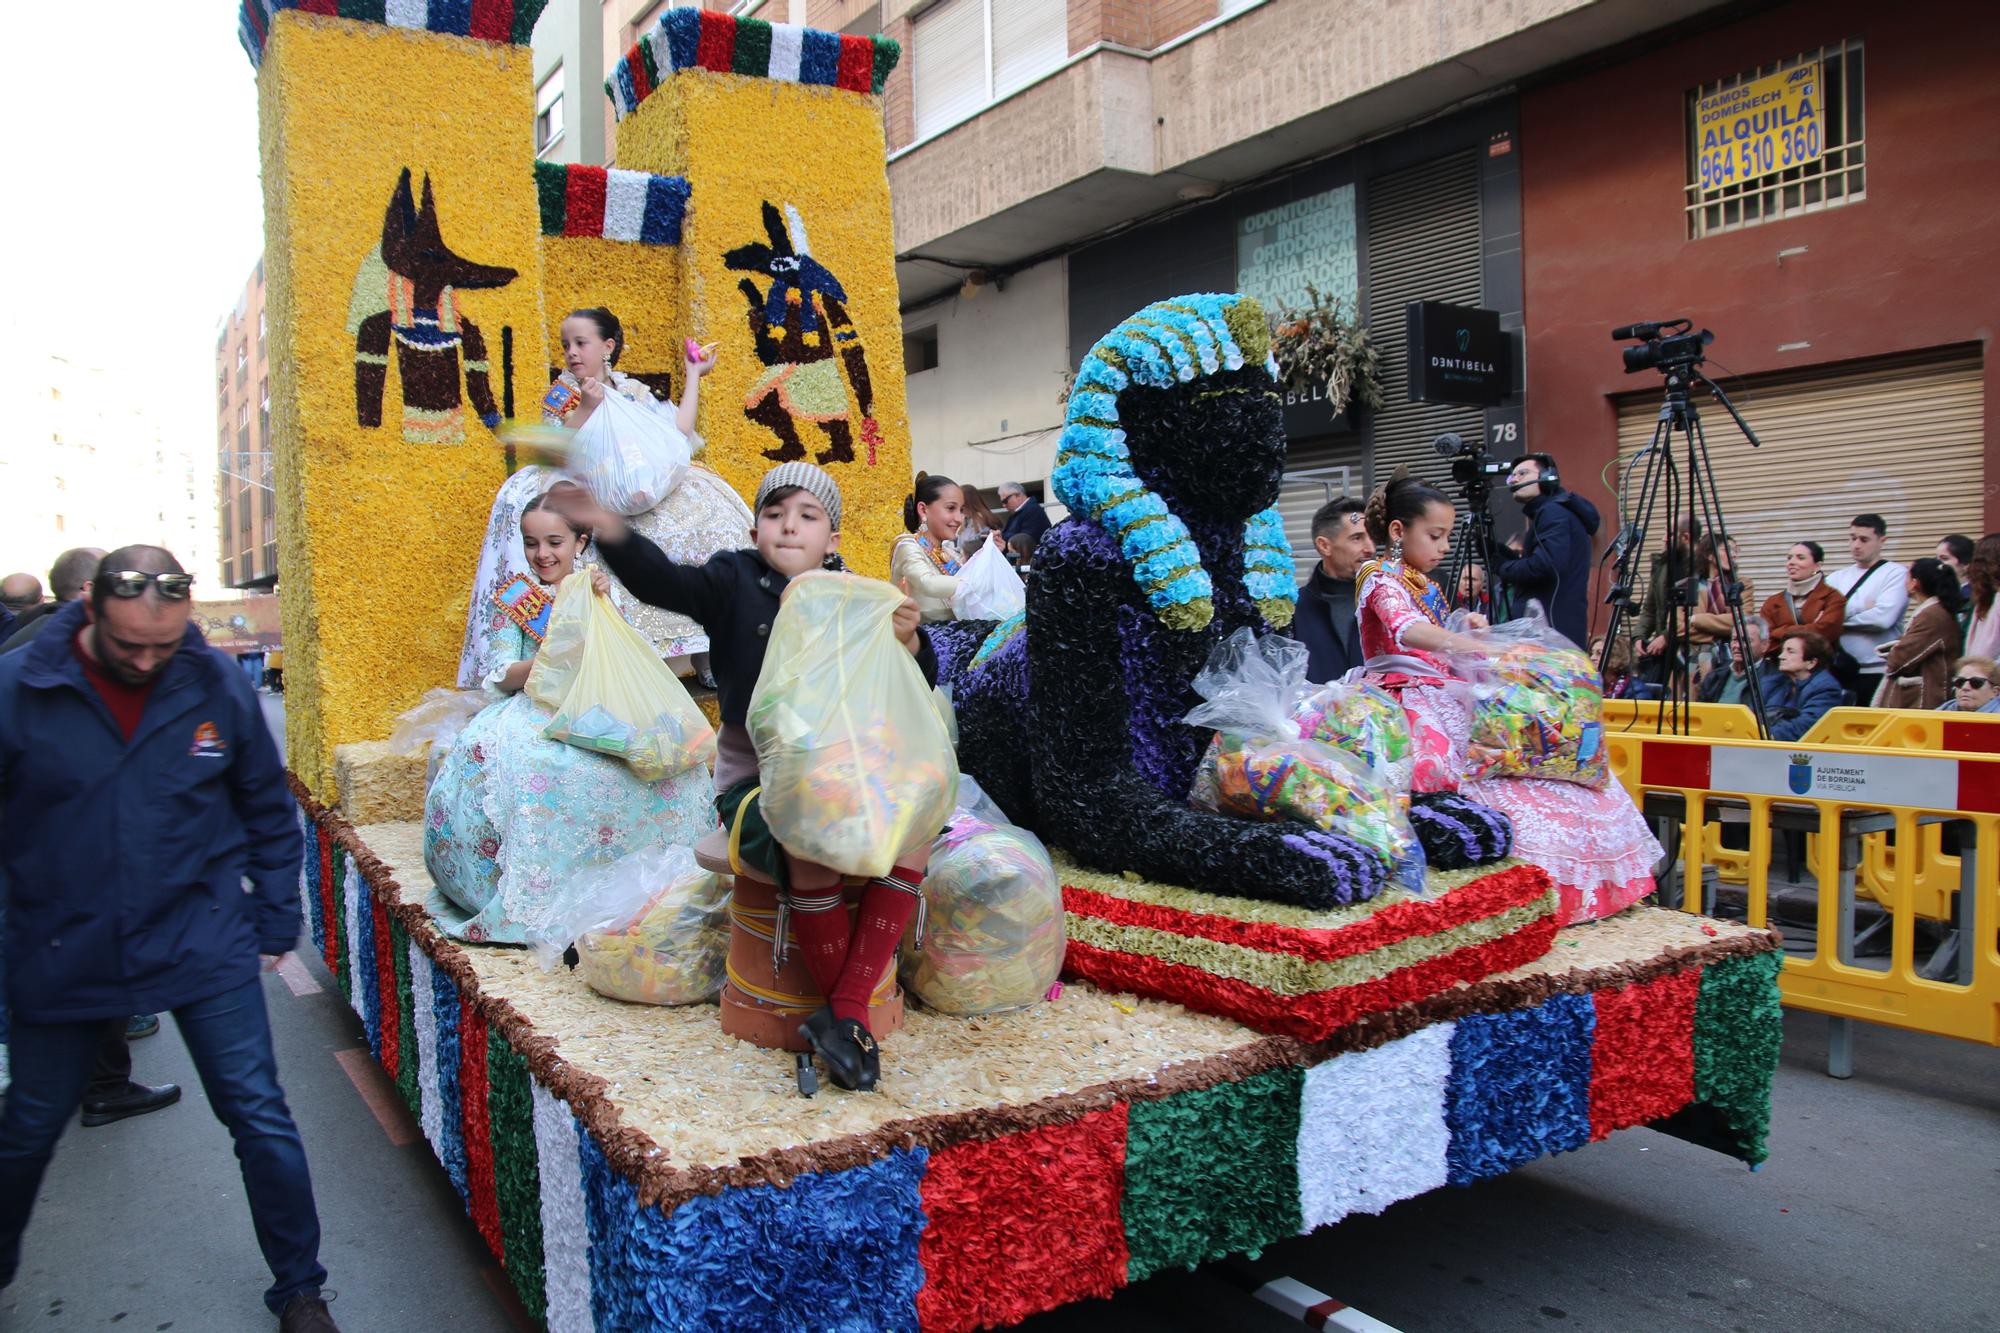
[378, 536]
[742, 142]
[641, 284]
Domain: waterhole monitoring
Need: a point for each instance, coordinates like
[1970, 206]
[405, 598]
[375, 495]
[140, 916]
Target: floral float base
[980, 1219]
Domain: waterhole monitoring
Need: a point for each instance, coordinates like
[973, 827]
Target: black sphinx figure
[1070, 716]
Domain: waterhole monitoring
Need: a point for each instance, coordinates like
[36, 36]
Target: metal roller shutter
[1900, 437]
[1316, 472]
[1423, 245]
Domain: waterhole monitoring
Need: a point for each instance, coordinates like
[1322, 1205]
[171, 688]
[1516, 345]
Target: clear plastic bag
[613, 695]
[995, 937]
[628, 455]
[607, 897]
[675, 948]
[1362, 719]
[852, 746]
[1260, 767]
[1538, 704]
[436, 721]
[988, 588]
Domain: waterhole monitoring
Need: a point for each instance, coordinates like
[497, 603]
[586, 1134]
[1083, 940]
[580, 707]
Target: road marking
[295, 976]
[379, 1094]
[1316, 1309]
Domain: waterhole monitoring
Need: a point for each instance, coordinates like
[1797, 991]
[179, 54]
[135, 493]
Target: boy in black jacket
[735, 597]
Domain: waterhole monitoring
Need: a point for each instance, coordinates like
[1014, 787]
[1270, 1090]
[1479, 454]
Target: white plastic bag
[1260, 766]
[988, 588]
[852, 747]
[606, 897]
[629, 456]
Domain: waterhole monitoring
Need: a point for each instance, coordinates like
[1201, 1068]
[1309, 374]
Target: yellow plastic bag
[674, 949]
[610, 693]
[852, 749]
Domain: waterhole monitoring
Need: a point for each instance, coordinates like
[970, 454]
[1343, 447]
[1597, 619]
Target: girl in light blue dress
[511, 816]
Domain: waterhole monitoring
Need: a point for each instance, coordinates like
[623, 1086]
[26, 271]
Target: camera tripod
[1679, 422]
[1472, 547]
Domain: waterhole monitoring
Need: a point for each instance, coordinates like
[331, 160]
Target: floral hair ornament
[1166, 343]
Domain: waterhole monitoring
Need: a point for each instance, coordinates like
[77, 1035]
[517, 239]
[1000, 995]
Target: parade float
[1259, 1034]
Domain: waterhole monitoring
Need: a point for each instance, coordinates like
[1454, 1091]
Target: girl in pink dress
[1592, 841]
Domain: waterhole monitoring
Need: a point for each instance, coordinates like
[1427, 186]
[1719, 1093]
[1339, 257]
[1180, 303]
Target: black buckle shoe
[134, 1099]
[851, 1060]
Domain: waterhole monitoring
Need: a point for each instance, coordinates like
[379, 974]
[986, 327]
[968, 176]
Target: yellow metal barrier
[1852, 793]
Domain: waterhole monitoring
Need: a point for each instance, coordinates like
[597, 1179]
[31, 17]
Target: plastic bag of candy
[1538, 704]
[1362, 719]
[1260, 767]
[610, 898]
[675, 948]
[995, 936]
[852, 746]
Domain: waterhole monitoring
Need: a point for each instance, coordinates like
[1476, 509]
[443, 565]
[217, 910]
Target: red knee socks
[819, 924]
[886, 907]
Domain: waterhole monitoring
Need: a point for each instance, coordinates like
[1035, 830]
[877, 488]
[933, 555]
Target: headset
[1550, 481]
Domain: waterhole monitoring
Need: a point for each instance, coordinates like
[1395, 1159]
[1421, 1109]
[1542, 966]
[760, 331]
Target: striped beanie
[816, 481]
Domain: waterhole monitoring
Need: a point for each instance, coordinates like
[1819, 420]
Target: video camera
[1471, 465]
[1678, 349]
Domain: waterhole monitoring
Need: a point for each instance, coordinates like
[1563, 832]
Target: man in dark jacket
[1552, 561]
[1326, 622]
[139, 790]
[1025, 516]
[69, 579]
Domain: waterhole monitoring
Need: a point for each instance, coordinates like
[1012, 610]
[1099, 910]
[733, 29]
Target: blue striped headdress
[1166, 343]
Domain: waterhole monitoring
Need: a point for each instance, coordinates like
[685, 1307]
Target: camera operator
[1551, 562]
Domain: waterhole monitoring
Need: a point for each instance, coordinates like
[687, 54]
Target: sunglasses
[1970, 682]
[131, 583]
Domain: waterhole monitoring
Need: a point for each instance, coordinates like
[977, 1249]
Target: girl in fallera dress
[511, 815]
[701, 516]
[925, 562]
[1592, 841]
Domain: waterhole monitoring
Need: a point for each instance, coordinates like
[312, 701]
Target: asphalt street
[1875, 1212]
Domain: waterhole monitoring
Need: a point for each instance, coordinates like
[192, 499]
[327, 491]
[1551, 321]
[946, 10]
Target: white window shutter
[948, 64]
[1030, 38]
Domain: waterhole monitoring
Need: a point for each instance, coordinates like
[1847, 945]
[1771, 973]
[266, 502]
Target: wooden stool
[762, 1005]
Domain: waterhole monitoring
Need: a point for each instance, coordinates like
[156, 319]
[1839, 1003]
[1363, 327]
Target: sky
[137, 211]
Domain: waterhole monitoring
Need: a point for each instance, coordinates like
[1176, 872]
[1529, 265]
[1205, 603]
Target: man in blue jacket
[151, 854]
[1551, 563]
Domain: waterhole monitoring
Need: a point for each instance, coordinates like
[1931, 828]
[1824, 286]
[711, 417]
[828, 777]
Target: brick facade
[1140, 24]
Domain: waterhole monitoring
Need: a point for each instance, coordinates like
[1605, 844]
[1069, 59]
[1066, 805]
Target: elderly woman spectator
[1802, 688]
[1973, 689]
[1728, 681]
[1916, 665]
[1807, 600]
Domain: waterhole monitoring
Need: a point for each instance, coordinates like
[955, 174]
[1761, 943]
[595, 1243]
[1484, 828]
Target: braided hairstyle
[1403, 499]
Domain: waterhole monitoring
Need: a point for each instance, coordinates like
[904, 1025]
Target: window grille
[1838, 176]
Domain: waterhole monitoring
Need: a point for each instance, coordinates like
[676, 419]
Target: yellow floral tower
[420, 263]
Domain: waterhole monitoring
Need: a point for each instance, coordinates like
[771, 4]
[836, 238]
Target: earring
[1396, 550]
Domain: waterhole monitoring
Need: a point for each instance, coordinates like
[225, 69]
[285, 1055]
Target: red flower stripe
[493, 20]
[642, 86]
[1307, 1017]
[334, 938]
[330, 7]
[1485, 897]
[583, 202]
[385, 986]
[484, 1203]
[1023, 1223]
[856, 72]
[717, 50]
[1642, 1058]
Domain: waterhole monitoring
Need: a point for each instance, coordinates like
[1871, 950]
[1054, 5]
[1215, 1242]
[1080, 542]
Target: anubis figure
[406, 292]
